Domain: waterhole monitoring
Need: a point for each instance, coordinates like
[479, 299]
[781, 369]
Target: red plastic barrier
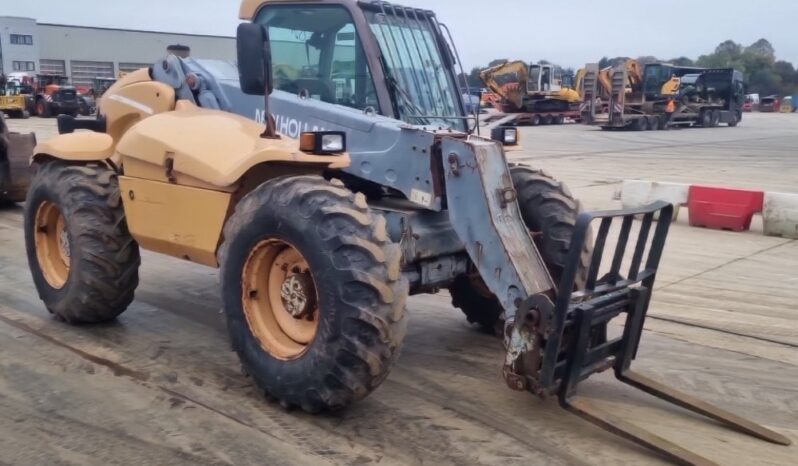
[723, 208]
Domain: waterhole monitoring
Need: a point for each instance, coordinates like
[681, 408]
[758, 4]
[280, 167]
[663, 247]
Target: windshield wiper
[407, 101]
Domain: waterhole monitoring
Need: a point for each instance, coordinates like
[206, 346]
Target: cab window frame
[326, 57]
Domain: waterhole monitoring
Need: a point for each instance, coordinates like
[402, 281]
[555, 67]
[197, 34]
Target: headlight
[508, 136]
[511, 136]
[323, 143]
[332, 143]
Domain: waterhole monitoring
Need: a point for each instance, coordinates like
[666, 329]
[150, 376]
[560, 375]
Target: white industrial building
[83, 53]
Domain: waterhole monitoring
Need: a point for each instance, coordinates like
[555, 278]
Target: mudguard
[78, 147]
[211, 146]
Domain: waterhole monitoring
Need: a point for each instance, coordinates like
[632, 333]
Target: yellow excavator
[532, 88]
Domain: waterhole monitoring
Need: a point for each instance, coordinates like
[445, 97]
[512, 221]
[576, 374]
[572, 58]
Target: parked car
[769, 104]
[748, 106]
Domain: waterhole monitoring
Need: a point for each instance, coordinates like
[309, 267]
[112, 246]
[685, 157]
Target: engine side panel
[180, 221]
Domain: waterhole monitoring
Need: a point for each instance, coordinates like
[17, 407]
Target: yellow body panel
[180, 221]
[132, 99]
[12, 103]
[671, 87]
[211, 146]
[79, 147]
[249, 8]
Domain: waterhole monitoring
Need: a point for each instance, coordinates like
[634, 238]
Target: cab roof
[249, 8]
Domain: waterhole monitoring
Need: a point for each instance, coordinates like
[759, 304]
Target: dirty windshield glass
[316, 52]
[423, 88]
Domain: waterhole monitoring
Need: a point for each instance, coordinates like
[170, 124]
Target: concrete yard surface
[161, 386]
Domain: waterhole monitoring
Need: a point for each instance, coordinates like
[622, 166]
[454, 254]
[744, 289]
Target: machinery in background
[53, 96]
[88, 97]
[664, 95]
[16, 150]
[534, 94]
[595, 88]
[788, 104]
[12, 101]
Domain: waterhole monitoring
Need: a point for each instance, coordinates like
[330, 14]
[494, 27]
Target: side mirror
[254, 59]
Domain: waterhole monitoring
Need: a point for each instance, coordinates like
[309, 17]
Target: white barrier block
[781, 215]
[638, 193]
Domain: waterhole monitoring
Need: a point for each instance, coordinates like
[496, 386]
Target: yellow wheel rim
[280, 300]
[52, 244]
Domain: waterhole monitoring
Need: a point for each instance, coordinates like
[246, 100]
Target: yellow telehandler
[385, 192]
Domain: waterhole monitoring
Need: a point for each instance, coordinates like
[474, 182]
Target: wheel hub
[279, 298]
[297, 294]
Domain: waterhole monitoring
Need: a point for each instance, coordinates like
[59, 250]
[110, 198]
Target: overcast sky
[570, 33]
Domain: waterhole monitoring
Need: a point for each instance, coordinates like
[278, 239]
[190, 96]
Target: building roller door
[84, 72]
[130, 67]
[47, 66]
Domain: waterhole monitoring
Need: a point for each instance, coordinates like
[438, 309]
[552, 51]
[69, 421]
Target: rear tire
[706, 118]
[82, 257]
[549, 212]
[42, 109]
[738, 116]
[535, 121]
[354, 273]
[639, 124]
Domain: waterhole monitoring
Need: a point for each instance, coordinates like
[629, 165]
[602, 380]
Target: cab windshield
[420, 78]
[654, 77]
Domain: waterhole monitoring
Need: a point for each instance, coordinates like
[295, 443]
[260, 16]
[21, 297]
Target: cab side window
[317, 53]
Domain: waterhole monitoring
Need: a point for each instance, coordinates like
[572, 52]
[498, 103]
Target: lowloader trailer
[698, 97]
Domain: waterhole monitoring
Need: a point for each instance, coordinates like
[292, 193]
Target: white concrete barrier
[780, 215]
[637, 193]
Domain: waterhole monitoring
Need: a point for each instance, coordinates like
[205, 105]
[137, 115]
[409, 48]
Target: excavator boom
[509, 81]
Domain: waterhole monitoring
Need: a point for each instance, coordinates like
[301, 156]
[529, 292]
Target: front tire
[83, 260]
[349, 307]
[549, 212]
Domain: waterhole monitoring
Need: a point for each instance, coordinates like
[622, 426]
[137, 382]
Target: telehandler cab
[320, 241]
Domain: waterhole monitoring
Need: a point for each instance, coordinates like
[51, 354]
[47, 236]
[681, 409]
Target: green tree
[682, 61]
[762, 48]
